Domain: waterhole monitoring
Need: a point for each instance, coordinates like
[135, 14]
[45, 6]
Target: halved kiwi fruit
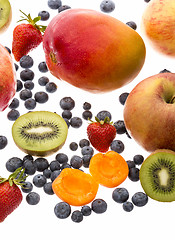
[157, 175]
[40, 133]
[5, 14]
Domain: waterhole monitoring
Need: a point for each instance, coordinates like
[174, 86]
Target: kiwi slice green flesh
[39, 133]
[157, 176]
[5, 11]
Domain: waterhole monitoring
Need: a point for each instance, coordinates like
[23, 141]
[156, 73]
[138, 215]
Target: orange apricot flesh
[75, 187]
[109, 169]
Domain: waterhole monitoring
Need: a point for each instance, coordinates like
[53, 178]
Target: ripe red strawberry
[10, 194]
[26, 36]
[101, 134]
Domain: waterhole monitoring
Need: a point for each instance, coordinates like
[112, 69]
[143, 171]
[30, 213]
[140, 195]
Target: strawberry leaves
[33, 22]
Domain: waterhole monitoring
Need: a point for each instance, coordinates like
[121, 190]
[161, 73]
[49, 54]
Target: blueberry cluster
[26, 84]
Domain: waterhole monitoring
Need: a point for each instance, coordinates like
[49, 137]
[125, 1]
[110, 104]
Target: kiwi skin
[6, 25]
[169, 197]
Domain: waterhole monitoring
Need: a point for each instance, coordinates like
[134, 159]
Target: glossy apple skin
[7, 78]
[92, 51]
[149, 112]
[158, 22]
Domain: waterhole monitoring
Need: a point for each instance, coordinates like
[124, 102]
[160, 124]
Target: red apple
[7, 78]
[149, 112]
[92, 50]
[158, 25]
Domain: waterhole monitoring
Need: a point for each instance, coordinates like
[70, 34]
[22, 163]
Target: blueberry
[41, 164]
[117, 146]
[62, 210]
[19, 85]
[86, 106]
[47, 173]
[8, 49]
[67, 122]
[134, 174]
[128, 206]
[16, 66]
[54, 165]
[67, 114]
[33, 198]
[29, 84]
[86, 160]
[63, 8]
[30, 103]
[164, 71]
[107, 6]
[86, 210]
[48, 188]
[44, 15]
[54, 4]
[103, 114]
[73, 146]
[3, 142]
[13, 114]
[120, 195]
[26, 61]
[41, 97]
[120, 127]
[27, 187]
[14, 103]
[65, 165]
[14, 163]
[84, 142]
[43, 67]
[138, 159]
[76, 162]
[77, 216]
[140, 199]
[87, 114]
[61, 158]
[51, 87]
[30, 167]
[130, 163]
[28, 157]
[39, 180]
[123, 97]
[25, 94]
[42, 81]
[76, 122]
[132, 25]
[27, 74]
[67, 103]
[54, 175]
[87, 150]
[99, 206]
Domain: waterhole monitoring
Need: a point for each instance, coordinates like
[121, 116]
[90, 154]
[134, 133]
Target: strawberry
[10, 194]
[26, 36]
[101, 134]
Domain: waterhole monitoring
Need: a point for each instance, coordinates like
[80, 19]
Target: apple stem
[172, 100]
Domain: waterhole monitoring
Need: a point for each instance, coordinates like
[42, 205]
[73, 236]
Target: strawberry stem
[33, 22]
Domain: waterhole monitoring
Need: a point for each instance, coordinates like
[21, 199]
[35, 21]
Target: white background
[155, 220]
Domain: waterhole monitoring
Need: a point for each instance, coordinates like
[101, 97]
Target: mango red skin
[7, 78]
[148, 116]
[92, 51]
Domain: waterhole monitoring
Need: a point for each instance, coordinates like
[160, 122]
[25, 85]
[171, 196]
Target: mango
[92, 50]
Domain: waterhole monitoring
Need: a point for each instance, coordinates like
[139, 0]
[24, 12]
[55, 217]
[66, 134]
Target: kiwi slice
[39, 133]
[5, 13]
[157, 175]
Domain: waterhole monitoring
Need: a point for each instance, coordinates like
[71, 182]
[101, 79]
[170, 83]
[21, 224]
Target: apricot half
[75, 187]
[109, 169]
